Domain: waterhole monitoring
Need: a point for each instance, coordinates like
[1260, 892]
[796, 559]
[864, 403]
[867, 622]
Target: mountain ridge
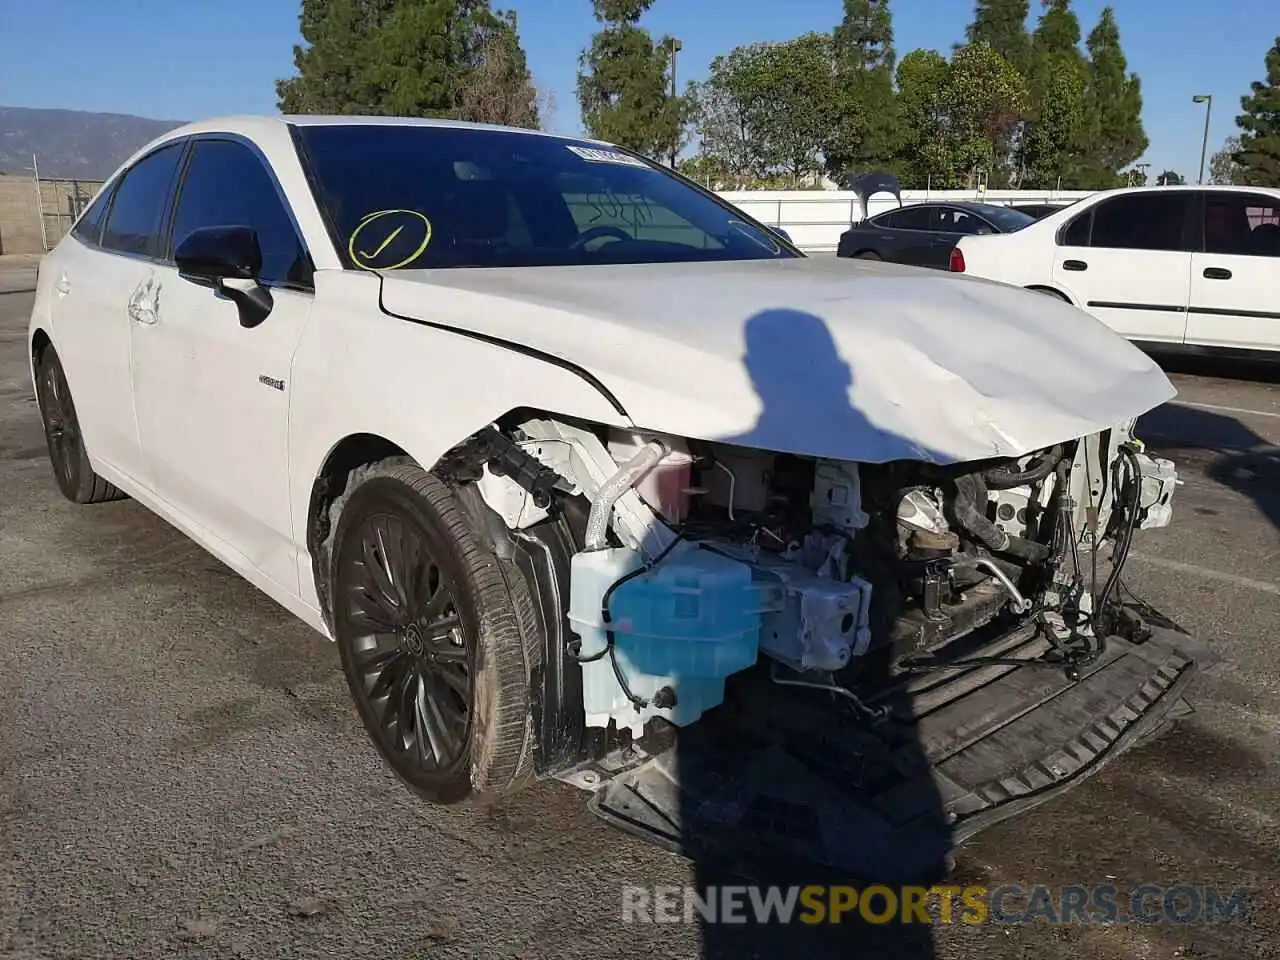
[72, 144]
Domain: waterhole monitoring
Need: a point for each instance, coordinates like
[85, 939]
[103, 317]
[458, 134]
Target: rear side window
[88, 229]
[226, 184]
[135, 221]
[1142, 221]
[1242, 224]
[913, 218]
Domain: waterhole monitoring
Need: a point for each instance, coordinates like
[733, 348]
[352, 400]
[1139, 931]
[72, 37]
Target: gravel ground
[181, 774]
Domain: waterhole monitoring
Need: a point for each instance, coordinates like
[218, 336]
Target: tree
[1259, 121]
[1115, 135]
[499, 89]
[434, 58]
[766, 109]
[865, 131]
[1223, 168]
[623, 85]
[986, 98]
[922, 78]
[957, 114]
[1003, 25]
[1055, 131]
[1170, 178]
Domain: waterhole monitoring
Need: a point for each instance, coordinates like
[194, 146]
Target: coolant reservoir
[687, 624]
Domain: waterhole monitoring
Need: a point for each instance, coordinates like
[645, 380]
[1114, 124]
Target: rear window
[421, 197]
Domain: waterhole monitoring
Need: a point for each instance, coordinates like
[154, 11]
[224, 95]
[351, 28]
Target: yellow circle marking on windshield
[366, 254]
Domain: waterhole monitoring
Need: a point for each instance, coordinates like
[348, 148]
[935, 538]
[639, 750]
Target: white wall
[816, 218]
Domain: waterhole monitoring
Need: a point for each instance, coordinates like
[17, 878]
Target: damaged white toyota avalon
[591, 476]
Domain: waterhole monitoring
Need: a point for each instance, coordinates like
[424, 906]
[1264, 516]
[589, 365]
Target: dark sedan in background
[923, 234]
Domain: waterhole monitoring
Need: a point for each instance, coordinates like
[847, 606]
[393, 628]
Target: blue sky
[188, 60]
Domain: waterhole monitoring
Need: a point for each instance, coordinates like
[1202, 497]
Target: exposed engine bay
[700, 559]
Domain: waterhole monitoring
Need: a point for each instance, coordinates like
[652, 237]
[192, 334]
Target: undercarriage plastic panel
[789, 772]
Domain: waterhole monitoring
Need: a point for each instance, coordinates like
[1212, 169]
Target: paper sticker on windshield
[597, 155]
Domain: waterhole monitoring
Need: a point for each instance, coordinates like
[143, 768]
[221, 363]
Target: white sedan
[553, 443]
[1176, 269]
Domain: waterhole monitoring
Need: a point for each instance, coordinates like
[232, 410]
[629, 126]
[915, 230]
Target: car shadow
[1259, 371]
[1231, 453]
[799, 760]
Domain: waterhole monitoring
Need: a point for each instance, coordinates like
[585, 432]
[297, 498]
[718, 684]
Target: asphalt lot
[181, 774]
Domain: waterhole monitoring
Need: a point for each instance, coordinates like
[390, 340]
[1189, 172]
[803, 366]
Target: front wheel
[438, 636]
[867, 255]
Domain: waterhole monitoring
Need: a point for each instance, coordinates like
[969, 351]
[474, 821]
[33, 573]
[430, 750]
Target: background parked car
[1176, 269]
[923, 234]
[1038, 210]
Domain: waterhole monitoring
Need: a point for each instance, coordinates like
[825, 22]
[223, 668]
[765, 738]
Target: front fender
[424, 389]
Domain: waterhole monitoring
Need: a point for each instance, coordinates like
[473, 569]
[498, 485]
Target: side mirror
[783, 234]
[211, 256]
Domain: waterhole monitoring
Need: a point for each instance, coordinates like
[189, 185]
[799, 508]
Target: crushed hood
[844, 359]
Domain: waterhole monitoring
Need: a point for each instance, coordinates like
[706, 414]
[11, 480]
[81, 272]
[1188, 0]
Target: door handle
[1217, 273]
[62, 285]
[1074, 265]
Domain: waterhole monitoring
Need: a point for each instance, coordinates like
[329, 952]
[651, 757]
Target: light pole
[676, 47]
[1207, 100]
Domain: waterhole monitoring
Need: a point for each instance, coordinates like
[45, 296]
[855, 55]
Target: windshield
[417, 197]
[1006, 219]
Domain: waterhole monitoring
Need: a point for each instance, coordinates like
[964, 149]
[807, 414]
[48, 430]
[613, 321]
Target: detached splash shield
[961, 749]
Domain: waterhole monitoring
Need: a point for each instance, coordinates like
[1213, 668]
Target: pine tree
[623, 83]
[1258, 157]
[865, 133]
[1114, 100]
[1054, 136]
[1003, 25]
[446, 58]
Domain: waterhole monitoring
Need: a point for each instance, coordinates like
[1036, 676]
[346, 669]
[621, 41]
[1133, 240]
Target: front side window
[134, 221]
[1142, 221]
[1242, 224]
[955, 220]
[421, 197]
[227, 185]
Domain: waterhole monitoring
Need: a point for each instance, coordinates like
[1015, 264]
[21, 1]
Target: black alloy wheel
[63, 437]
[437, 635]
[408, 645]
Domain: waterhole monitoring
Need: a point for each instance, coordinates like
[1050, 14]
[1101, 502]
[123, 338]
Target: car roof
[251, 125]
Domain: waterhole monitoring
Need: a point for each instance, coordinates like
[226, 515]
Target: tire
[63, 437]
[867, 255]
[438, 636]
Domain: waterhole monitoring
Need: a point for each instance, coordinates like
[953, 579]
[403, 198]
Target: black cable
[1121, 554]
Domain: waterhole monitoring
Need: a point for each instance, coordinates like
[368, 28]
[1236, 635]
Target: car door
[212, 396]
[1235, 281]
[903, 234]
[111, 254]
[948, 225]
[1127, 260]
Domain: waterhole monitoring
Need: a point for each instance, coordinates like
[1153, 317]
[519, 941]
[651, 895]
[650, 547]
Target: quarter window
[1150, 221]
[134, 224]
[88, 228]
[1241, 224]
[1076, 233]
[227, 185]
